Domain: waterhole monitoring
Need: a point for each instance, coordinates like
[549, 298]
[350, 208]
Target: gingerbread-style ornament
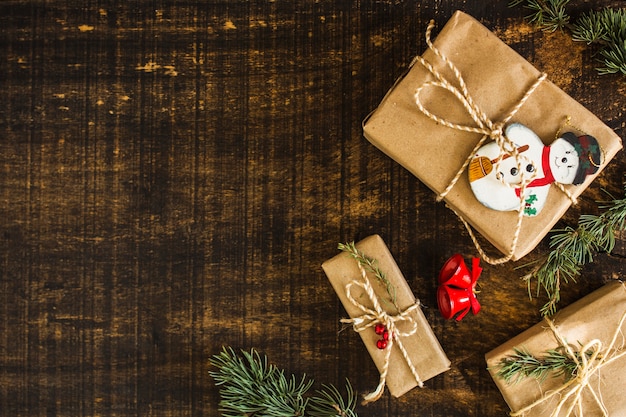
[496, 178]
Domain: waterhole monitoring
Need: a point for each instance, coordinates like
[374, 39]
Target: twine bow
[484, 126]
[587, 365]
[374, 315]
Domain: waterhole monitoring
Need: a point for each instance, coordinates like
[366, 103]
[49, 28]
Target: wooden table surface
[175, 172]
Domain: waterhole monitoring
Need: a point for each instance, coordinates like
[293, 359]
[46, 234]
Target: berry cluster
[382, 331]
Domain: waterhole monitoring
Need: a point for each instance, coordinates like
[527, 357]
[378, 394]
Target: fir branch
[572, 248]
[606, 28]
[590, 28]
[549, 15]
[250, 386]
[370, 265]
[523, 364]
[614, 59]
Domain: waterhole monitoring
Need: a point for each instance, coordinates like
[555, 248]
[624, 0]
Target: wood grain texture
[175, 172]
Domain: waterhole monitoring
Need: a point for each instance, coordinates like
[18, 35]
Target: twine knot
[375, 315]
[497, 132]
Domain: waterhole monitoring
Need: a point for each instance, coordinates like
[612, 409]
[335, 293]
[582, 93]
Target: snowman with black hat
[496, 178]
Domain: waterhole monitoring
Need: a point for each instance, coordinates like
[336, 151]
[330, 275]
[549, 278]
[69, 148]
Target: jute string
[587, 365]
[374, 315]
[484, 126]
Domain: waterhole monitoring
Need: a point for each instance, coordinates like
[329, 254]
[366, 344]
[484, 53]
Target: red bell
[455, 273]
[456, 293]
[453, 301]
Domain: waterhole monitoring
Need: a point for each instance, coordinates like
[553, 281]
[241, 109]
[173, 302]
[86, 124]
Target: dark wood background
[175, 172]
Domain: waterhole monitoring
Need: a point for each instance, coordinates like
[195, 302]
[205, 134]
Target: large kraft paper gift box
[596, 316]
[423, 348]
[497, 78]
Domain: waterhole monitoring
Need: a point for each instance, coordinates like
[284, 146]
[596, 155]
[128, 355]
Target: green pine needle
[572, 248]
[523, 364]
[250, 386]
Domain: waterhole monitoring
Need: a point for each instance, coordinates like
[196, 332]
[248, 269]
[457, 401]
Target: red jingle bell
[381, 344]
[457, 290]
[380, 328]
[455, 273]
[453, 301]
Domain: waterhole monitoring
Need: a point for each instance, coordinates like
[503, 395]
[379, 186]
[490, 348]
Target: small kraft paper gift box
[591, 330]
[387, 316]
[486, 131]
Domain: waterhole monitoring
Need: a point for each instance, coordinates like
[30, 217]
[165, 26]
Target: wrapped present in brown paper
[593, 324]
[434, 120]
[410, 352]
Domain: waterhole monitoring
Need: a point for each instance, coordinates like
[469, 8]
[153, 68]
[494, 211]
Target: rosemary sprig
[523, 364]
[572, 248]
[606, 28]
[250, 386]
[370, 265]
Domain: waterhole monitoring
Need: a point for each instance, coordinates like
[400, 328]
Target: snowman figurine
[496, 178]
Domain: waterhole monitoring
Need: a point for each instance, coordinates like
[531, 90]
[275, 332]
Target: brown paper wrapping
[497, 78]
[424, 349]
[595, 316]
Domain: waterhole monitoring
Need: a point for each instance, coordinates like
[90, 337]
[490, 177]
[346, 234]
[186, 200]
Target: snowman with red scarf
[496, 178]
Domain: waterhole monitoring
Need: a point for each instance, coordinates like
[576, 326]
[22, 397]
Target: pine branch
[523, 364]
[614, 59]
[329, 402]
[250, 386]
[606, 28]
[572, 248]
[549, 15]
[370, 265]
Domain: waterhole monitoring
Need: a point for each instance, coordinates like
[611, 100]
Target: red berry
[381, 344]
[380, 328]
[385, 335]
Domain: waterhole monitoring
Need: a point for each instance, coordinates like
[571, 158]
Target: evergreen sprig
[549, 15]
[572, 248]
[252, 387]
[370, 265]
[605, 28]
[330, 402]
[523, 364]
